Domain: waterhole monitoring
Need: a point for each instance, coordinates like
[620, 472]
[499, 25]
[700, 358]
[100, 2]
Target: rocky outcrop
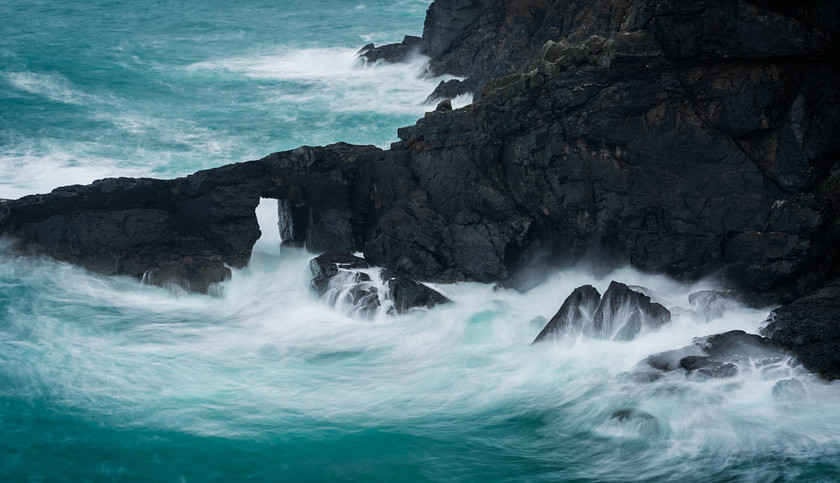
[338, 276]
[717, 356]
[189, 230]
[688, 138]
[577, 310]
[810, 329]
[621, 314]
[391, 52]
[665, 148]
[407, 294]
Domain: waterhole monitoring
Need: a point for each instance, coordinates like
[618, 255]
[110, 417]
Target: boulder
[623, 313]
[327, 265]
[407, 294]
[391, 53]
[717, 356]
[575, 313]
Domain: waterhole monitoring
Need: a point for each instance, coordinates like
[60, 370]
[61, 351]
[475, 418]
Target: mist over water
[105, 378]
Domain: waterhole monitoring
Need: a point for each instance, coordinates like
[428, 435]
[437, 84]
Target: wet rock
[671, 360]
[712, 304]
[408, 294]
[391, 53]
[641, 376]
[575, 313]
[444, 106]
[326, 266]
[447, 90]
[606, 159]
[718, 356]
[623, 313]
[810, 328]
[788, 390]
[738, 345]
[708, 367]
[645, 423]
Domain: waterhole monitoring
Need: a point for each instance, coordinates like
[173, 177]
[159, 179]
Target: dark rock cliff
[690, 138]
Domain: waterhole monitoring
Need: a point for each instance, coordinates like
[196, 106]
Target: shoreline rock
[694, 140]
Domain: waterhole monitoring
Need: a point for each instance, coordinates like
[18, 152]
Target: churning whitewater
[288, 384]
[107, 378]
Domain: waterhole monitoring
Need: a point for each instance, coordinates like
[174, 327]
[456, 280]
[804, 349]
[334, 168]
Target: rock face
[621, 314]
[578, 309]
[189, 230]
[688, 138]
[810, 328]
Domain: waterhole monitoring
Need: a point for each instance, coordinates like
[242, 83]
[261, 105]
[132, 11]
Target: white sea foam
[53, 86]
[269, 354]
[338, 80]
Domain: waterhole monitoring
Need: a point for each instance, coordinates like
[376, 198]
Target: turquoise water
[105, 379]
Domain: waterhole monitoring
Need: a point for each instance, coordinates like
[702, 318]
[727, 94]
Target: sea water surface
[106, 379]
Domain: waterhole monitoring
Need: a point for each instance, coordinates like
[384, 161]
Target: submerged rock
[577, 311]
[712, 304]
[640, 421]
[718, 356]
[788, 390]
[810, 329]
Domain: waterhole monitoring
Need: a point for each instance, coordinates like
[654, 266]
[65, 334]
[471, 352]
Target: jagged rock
[810, 329]
[391, 53]
[328, 265]
[645, 423]
[702, 140]
[712, 304]
[620, 314]
[408, 294]
[366, 48]
[444, 105]
[447, 90]
[623, 313]
[333, 274]
[577, 311]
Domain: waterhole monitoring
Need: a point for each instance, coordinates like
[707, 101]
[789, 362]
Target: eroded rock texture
[690, 138]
